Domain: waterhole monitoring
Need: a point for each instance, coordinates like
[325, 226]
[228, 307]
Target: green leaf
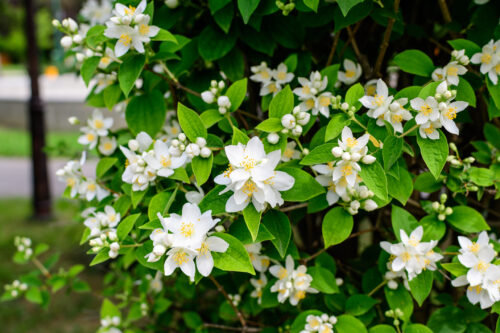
[101, 256]
[223, 18]
[202, 167]
[382, 328]
[111, 95]
[211, 117]
[270, 125]
[313, 4]
[467, 219]
[349, 324]
[434, 153]
[331, 72]
[291, 62]
[373, 176]
[337, 226]
[346, 5]
[492, 134]
[402, 188]
[400, 298]
[402, 220]
[34, 295]
[235, 259]
[353, 95]
[470, 48]
[181, 175]
[455, 268]
[304, 188]
[323, 280]
[282, 103]
[165, 36]
[158, 204]
[146, 113]
[465, 92]
[192, 319]
[137, 197]
[108, 309]
[215, 202]
[433, 228]
[233, 64]
[126, 225]
[130, 70]
[482, 176]
[393, 147]
[447, 319]
[88, 69]
[494, 90]
[417, 328]
[279, 226]
[236, 93]
[122, 204]
[359, 304]
[252, 220]
[151, 225]
[319, 155]
[239, 230]
[415, 62]
[336, 125]
[239, 136]
[215, 5]
[104, 165]
[191, 123]
[247, 7]
[214, 44]
[421, 286]
[425, 182]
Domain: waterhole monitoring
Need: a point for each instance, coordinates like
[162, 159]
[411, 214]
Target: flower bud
[297, 131]
[112, 254]
[208, 97]
[56, 23]
[470, 160]
[221, 85]
[392, 285]
[296, 110]
[114, 246]
[182, 137]
[368, 159]
[344, 106]
[441, 217]
[133, 145]
[192, 150]
[159, 250]
[442, 106]
[352, 211]
[443, 198]
[201, 142]
[172, 3]
[305, 151]
[126, 20]
[304, 119]
[273, 138]
[73, 120]
[314, 91]
[72, 25]
[223, 101]
[116, 320]
[448, 211]
[285, 131]
[339, 281]
[355, 157]
[370, 205]
[213, 84]
[66, 42]
[337, 151]
[447, 94]
[220, 228]
[205, 152]
[77, 39]
[346, 156]
[288, 121]
[435, 205]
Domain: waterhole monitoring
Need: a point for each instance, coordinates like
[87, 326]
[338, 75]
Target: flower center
[349, 73]
[108, 146]
[125, 39]
[306, 90]
[486, 58]
[187, 229]
[180, 258]
[474, 247]
[166, 161]
[105, 60]
[310, 103]
[272, 87]
[288, 153]
[426, 109]
[397, 118]
[378, 100]
[144, 29]
[264, 74]
[90, 137]
[346, 170]
[331, 186]
[281, 75]
[351, 142]
[282, 273]
[248, 163]
[249, 188]
[228, 171]
[429, 130]
[70, 182]
[451, 113]
[98, 124]
[324, 101]
[497, 69]
[482, 266]
[405, 256]
[301, 294]
[91, 187]
[203, 250]
[452, 71]
[130, 10]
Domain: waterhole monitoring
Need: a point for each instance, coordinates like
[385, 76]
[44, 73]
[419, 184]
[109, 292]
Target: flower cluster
[16, 288]
[437, 111]
[102, 229]
[489, 59]
[294, 121]
[186, 239]
[312, 95]
[131, 27]
[214, 94]
[483, 275]
[351, 74]
[292, 284]
[391, 276]
[341, 176]
[98, 127]
[252, 177]
[71, 29]
[412, 254]
[110, 325]
[453, 69]
[259, 285]
[384, 108]
[441, 209]
[322, 324]
[144, 164]
[23, 247]
[272, 80]
[96, 12]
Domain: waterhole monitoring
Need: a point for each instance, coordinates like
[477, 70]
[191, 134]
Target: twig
[445, 11]
[230, 328]
[174, 83]
[235, 309]
[385, 42]
[359, 55]
[374, 290]
[408, 131]
[250, 115]
[290, 208]
[41, 267]
[346, 44]
[332, 50]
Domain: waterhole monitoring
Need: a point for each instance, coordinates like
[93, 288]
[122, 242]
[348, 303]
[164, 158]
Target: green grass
[67, 313]
[17, 142]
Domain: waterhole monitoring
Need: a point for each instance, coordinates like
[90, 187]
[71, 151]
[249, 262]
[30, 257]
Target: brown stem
[230, 328]
[250, 115]
[290, 208]
[385, 42]
[41, 267]
[221, 289]
[175, 83]
[445, 11]
[361, 58]
[332, 50]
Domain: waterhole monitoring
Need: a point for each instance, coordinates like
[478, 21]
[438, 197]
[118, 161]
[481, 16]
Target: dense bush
[326, 166]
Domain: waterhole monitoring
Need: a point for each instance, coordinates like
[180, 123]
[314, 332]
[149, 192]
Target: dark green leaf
[337, 226]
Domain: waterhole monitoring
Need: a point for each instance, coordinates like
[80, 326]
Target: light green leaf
[88, 69]
[434, 153]
[415, 62]
[393, 147]
[202, 167]
[466, 93]
[214, 201]
[313, 4]
[455, 268]
[353, 95]
[279, 226]
[304, 188]
[402, 188]
[239, 136]
[470, 48]
[467, 220]
[158, 204]
[421, 285]
[482, 176]
[111, 95]
[359, 304]
[282, 103]
[319, 155]
[291, 62]
[164, 35]
[146, 113]
[494, 90]
[211, 117]
[236, 93]
[417, 328]
[374, 177]
[126, 225]
[346, 5]
[323, 280]
[336, 125]
[101, 256]
[433, 228]
[400, 298]
[337, 226]
[402, 220]
[191, 123]
[104, 165]
[130, 70]
[252, 220]
[382, 328]
[235, 259]
[137, 197]
[349, 324]
[425, 182]
[108, 309]
[270, 125]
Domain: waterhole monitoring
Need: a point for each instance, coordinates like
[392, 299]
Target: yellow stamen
[180, 258]
[349, 73]
[125, 39]
[451, 113]
[187, 229]
[426, 109]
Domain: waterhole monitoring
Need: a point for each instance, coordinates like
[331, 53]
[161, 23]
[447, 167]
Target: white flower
[208, 97]
[397, 113]
[89, 137]
[489, 58]
[429, 130]
[352, 72]
[290, 152]
[127, 15]
[262, 73]
[107, 145]
[351, 144]
[325, 179]
[259, 262]
[71, 174]
[268, 88]
[204, 260]
[292, 284]
[311, 96]
[448, 112]
[66, 42]
[281, 75]
[90, 189]
[107, 58]
[378, 105]
[288, 121]
[103, 80]
[427, 109]
[259, 285]
[129, 37]
[452, 71]
[99, 124]
[95, 12]
[371, 87]
[480, 246]
[273, 138]
[479, 265]
[137, 172]
[252, 178]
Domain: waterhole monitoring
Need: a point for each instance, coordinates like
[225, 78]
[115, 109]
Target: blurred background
[44, 217]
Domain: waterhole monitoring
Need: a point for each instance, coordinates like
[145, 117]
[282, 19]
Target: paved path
[15, 176]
